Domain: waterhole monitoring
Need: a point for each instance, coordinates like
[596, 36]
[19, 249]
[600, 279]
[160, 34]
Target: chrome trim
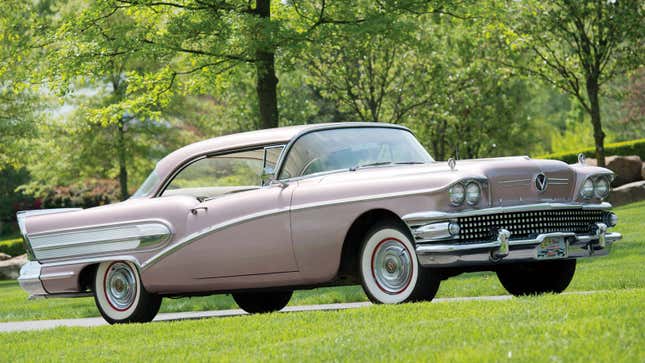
[206, 231]
[432, 232]
[88, 261]
[57, 275]
[99, 239]
[63, 295]
[503, 237]
[29, 278]
[365, 198]
[419, 218]
[513, 181]
[451, 255]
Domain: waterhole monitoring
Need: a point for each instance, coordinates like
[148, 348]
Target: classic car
[261, 214]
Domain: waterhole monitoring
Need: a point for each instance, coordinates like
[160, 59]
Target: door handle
[194, 210]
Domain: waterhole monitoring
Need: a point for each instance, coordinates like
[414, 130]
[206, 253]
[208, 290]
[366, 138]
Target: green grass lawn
[624, 268]
[601, 327]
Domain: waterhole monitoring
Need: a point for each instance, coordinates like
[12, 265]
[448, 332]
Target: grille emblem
[541, 182]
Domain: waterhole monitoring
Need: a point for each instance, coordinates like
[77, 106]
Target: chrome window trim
[186, 163]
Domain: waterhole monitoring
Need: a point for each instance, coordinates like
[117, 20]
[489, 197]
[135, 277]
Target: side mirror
[269, 178]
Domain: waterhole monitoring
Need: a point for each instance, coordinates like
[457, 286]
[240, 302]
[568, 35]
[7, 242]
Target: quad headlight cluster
[469, 192]
[597, 186]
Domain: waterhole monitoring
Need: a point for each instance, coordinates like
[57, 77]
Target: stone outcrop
[628, 169]
[628, 193]
[10, 269]
[4, 256]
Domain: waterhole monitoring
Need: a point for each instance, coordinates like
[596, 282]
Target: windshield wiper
[378, 163]
[409, 162]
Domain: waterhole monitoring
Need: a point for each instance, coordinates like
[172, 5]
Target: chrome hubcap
[392, 266]
[120, 286]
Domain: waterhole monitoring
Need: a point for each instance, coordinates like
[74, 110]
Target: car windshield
[351, 148]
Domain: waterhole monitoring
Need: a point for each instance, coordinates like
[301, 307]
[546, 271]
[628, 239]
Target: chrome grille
[528, 224]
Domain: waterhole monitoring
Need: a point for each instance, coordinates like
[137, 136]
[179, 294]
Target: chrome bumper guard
[29, 279]
[504, 250]
[435, 234]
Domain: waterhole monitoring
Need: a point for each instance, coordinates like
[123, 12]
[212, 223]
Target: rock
[591, 162]
[643, 172]
[10, 269]
[627, 168]
[628, 193]
[4, 256]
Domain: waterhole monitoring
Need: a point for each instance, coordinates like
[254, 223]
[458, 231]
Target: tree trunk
[267, 81]
[123, 170]
[594, 111]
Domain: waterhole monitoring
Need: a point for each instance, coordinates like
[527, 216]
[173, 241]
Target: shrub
[633, 147]
[85, 194]
[12, 247]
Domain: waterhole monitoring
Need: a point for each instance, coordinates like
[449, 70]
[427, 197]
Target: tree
[575, 45]
[20, 104]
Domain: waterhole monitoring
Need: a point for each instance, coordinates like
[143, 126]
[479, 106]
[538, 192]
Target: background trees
[98, 91]
[578, 46]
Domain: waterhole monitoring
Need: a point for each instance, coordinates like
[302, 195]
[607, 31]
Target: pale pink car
[261, 214]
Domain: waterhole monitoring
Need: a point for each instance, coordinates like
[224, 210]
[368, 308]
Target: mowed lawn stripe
[605, 326]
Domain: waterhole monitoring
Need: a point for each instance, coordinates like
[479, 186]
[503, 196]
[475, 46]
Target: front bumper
[488, 253]
[437, 246]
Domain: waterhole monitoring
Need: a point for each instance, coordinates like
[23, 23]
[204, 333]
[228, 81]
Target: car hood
[510, 180]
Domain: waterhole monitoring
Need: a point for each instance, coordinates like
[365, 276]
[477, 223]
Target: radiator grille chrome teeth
[528, 224]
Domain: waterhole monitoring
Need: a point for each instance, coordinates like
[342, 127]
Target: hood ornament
[452, 163]
[541, 182]
[581, 158]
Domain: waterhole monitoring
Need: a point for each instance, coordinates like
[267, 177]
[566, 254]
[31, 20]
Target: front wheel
[537, 277]
[389, 270]
[262, 302]
[120, 296]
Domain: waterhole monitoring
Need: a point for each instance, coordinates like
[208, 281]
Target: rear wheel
[538, 277]
[120, 296]
[389, 270]
[262, 302]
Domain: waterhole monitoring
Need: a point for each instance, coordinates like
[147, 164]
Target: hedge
[633, 147]
[12, 247]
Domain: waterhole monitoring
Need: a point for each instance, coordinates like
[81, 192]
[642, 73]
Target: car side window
[220, 174]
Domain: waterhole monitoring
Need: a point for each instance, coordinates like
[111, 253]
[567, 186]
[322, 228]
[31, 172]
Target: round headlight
[473, 193]
[457, 194]
[587, 189]
[601, 187]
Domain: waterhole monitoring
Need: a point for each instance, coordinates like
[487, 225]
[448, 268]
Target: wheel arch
[86, 277]
[348, 269]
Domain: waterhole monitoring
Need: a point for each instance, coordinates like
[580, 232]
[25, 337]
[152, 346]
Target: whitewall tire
[120, 296]
[389, 270]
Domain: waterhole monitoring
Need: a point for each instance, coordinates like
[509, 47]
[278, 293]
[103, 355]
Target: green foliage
[13, 246]
[84, 194]
[634, 147]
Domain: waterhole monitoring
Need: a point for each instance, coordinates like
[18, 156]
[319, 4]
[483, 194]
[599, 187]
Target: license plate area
[551, 248]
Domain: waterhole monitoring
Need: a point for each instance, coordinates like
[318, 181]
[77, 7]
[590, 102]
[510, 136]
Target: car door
[239, 227]
[245, 233]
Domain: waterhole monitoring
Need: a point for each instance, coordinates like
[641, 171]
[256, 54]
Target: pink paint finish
[282, 235]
